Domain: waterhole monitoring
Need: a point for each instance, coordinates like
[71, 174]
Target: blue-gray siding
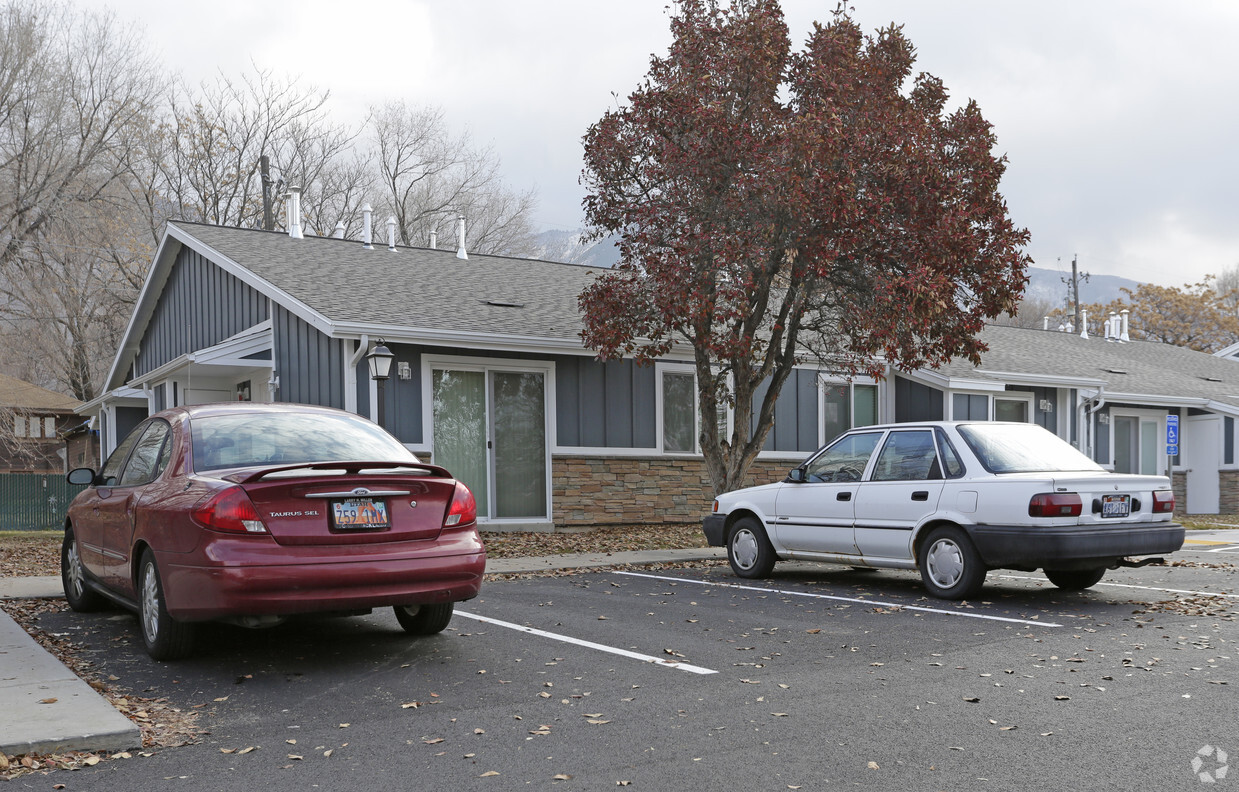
[1044, 419]
[795, 413]
[604, 405]
[917, 402]
[402, 410]
[309, 364]
[201, 305]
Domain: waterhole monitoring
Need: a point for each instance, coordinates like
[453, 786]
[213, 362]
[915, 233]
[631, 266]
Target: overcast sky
[1120, 117]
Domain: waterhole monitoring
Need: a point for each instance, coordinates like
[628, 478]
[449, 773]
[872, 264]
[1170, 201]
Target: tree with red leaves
[776, 207]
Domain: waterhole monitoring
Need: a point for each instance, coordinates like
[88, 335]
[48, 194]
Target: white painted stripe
[1227, 549]
[901, 606]
[1131, 586]
[590, 644]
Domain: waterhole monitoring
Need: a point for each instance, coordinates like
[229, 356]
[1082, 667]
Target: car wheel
[73, 577]
[749, 549]
[951, 568]
[1075, 579]
[424, 619]
[164, 637]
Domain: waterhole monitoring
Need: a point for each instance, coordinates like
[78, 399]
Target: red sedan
[249, 513]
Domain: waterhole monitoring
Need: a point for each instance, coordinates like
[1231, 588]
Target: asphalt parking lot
[822, 677]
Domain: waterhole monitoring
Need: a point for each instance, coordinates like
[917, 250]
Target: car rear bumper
[715, 528]
[201, 593]
[1059, 547]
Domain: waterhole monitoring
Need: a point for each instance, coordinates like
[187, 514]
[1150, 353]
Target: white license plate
[359, 513]
[1116, 506]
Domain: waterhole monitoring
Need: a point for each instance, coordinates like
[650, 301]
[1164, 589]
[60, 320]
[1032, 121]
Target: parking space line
[920, 608]
[1132, 586]
[692, 669]
[1230, 548]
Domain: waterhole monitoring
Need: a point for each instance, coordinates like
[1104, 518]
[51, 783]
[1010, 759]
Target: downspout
[1088, 409]
[350, 374]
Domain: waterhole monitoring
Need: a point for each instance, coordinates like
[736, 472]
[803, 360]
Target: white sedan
[954, 500]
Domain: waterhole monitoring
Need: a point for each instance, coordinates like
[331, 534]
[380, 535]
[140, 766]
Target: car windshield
[1022, 448]
[268, 438]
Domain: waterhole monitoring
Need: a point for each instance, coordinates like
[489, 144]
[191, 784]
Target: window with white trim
[678, 396]
[847, 405]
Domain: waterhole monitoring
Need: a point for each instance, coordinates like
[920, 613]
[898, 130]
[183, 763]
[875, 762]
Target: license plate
[1116, 506]
[359, 513]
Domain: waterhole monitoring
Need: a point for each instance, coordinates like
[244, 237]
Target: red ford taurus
[250, 513]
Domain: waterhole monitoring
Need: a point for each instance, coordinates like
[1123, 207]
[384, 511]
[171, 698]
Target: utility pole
[1073, 292]
[268, 218]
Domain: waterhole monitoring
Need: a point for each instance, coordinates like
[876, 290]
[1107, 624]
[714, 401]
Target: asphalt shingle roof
[28, 396]
[412, 287]
[1134, 367]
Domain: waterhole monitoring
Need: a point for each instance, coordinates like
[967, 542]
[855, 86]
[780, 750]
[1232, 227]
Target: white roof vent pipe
[391, 233]
[366, 214]
[1113, 335]
[339, 232]
[1123, 334]
[1083, 323]
[293, 206]
[460, 238]
[434, 239]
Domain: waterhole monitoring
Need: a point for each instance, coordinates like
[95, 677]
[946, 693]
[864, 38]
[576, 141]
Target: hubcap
[150, 603]
[945, 562]
[73, 570]
[744, 549]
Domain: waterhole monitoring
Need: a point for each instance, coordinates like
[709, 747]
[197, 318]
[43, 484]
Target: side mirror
[797, 475]
[81, 476]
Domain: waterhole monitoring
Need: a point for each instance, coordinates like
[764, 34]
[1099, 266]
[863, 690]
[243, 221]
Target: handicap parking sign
[1172, 435]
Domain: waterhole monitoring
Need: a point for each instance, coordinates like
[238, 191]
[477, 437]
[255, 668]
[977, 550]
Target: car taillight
[463, 509]
[1163, 502]
[231, 511]
[1055, 504]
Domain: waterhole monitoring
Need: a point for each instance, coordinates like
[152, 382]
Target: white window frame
[825, 383]
[661, 369]
[1141, 415]
[1015, 396]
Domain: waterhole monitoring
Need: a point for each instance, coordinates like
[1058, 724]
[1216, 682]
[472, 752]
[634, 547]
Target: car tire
[749, 550]
[164, 637]
[950, 566]
[424, 619]
[78, 593]
[1075, 579]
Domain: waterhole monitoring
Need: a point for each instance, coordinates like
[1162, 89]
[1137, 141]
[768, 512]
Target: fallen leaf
[295, 756]
[1062, 698]
[245, 750]
[328, 752]
[1007, 728]
[971, 699]
[479, 731]
[561, 777]
[291, 742]
[434, 741]
[222, 698]
[47, 701]
[597, 722]
[779, 714]
[873, 766]
[489, 773]
[227, 750]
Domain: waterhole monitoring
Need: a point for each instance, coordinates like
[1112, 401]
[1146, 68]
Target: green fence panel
[34, 501]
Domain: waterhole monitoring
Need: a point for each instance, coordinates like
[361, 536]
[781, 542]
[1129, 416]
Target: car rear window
[255, 439]
[1022, 448]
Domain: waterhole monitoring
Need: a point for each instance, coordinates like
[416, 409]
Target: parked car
[250, 513]
[954, 500]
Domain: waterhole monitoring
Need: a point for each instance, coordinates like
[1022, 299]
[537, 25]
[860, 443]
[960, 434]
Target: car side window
[143, 465]
[110, 475]
[845, 460]
[952, 466]
[908, 456]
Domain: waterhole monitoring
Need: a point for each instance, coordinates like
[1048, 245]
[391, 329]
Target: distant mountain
[568, 247]
[1047, 284]
[1043, 284]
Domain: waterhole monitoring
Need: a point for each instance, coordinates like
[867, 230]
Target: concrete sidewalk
[45, 707]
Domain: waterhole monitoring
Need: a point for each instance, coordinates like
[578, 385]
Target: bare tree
[74, 86]
[429, 177]
[1227, 286]
[1030, 314]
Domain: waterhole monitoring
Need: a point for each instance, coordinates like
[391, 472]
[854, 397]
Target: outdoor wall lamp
[379, 358]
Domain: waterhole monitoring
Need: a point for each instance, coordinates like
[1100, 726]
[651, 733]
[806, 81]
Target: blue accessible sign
[1172, 435]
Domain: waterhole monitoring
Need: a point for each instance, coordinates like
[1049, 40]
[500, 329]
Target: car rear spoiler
[351, 467]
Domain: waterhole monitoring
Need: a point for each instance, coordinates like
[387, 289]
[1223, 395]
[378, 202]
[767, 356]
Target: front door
[490, 432]
[1201, 459]
[1136, 444]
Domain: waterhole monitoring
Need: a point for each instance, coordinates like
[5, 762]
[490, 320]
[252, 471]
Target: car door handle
[920, 495]
[844, 496]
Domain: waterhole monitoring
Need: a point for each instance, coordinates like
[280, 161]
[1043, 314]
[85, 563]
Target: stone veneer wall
[1178, 482]
[628, 490]
[1228, 480]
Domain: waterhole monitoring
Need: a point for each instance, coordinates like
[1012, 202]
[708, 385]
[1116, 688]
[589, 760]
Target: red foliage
[774, 204]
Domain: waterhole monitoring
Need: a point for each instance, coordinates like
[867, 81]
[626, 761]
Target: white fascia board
[164, 371]
[143, 307]
[1222, 408]
[1045, 380]
[1227, 352]
[1154, 400]
[123, 393]
[261, 285]
[460, 339]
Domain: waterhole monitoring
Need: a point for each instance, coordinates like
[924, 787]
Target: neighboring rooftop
[28, 396]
